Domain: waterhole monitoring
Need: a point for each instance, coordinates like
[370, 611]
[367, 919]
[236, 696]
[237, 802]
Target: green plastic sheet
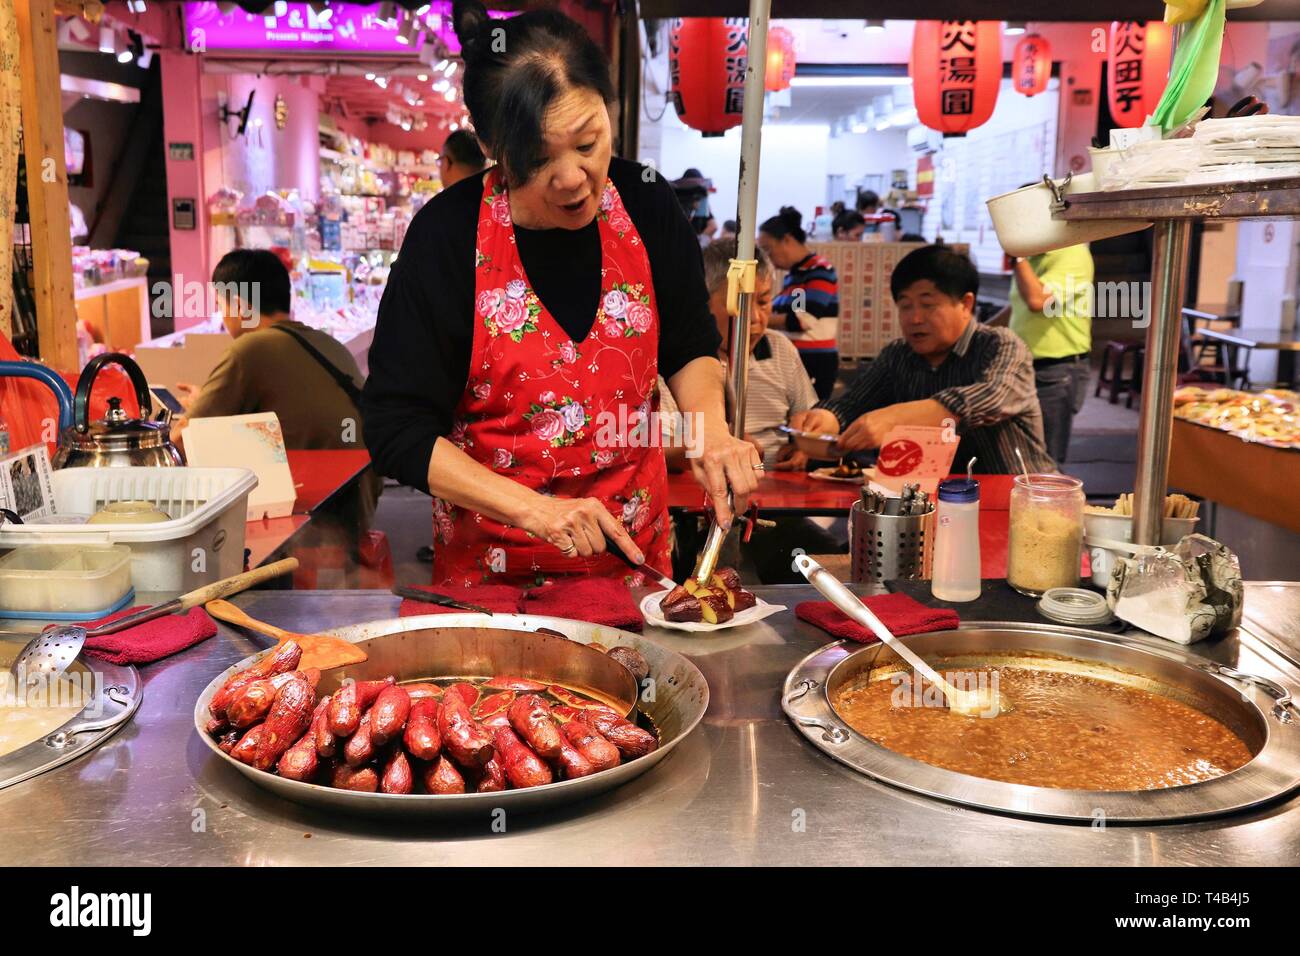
[1195, 69]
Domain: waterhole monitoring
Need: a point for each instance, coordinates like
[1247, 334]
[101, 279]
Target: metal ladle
[50, 653]
[981, 702]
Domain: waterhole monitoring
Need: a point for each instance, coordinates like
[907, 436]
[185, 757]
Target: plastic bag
[1184, 594]
[1194, 71]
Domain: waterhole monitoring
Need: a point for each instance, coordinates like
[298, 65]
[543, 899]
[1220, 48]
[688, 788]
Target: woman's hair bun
[791, 216]
[470, 20]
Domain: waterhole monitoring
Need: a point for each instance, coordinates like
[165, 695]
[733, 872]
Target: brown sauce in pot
[1064, 730]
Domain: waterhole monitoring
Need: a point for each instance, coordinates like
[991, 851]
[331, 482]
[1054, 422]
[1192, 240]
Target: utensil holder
[890, 547]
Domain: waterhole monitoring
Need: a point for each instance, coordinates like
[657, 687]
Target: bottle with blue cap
[956, 575]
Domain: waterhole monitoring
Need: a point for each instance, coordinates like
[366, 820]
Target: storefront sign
[956, 69]
[1137, 69]
[299, 29]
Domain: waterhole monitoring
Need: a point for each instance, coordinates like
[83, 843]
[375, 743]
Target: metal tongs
[914, 501]
[708, 560]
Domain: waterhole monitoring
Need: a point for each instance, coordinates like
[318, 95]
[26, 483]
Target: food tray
[56, 582]
[450, 644]
[650, 611]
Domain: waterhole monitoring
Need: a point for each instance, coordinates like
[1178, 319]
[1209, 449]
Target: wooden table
[1246, 476]
[319, 477]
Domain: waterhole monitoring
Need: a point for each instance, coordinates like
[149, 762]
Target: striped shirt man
[986, 381]
[809, 303]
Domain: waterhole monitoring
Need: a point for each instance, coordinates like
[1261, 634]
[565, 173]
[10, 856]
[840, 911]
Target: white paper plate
[650, 611]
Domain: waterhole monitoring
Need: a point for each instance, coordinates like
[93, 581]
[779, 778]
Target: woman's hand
[577, 527]
[728, 463]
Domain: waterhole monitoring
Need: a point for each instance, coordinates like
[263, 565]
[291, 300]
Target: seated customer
[278, 365]
[947, 368]
[778, 384]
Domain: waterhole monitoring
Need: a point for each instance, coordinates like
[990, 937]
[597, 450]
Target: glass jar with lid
[1046, 533]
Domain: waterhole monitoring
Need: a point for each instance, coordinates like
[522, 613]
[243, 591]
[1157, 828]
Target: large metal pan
[113, 695]
[472, 645]
[1258, 708]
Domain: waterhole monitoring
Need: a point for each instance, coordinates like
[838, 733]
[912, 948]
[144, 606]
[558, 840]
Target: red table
[320, 476]
[791, 494]
[268, 538]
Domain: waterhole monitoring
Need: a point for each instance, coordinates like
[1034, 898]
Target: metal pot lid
[115, 430]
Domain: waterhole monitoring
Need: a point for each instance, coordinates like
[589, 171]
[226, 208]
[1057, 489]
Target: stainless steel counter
[743, 789]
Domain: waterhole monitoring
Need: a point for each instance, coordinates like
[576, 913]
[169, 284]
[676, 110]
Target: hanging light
[1015, 28]
[451, 69]
[146, 59]
[132, 49]
[124, 54]
[422, 9]
[873, 26]
[382, 81]
[450, 95]
[422, 77]
[956, 70]
[107, 39]
[1031, 65]
[387, 12]
[135, 6]
[442, 64]
[370, 77]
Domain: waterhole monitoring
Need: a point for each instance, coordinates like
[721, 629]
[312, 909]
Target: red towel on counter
[152, 640]
[497, 598]
[898, 612]
[604, 601]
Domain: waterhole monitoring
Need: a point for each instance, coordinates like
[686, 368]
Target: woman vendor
[526, 320]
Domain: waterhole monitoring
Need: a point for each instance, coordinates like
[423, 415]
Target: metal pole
[1159, 375]
[751, 140]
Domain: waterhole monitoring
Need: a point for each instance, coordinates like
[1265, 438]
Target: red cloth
[152, 640]
[604, 601]
[898, 612]
[498, 598]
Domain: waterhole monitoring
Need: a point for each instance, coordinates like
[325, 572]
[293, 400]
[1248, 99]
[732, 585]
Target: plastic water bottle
[956, 569]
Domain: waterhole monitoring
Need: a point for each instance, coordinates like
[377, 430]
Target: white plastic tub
[61, 579]
[202, 542]
[1023, 219]
[1101, 529]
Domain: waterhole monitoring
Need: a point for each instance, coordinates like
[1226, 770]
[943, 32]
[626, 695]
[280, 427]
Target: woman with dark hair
[848, 226]
[514, 364]
[808, 307]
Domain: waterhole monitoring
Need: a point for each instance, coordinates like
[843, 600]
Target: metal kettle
[116, 441]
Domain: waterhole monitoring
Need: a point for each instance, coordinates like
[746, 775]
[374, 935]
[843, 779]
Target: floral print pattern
[625, 311]
[558, 421]
[510, 310]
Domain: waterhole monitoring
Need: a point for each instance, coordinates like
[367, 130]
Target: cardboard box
[246, 441]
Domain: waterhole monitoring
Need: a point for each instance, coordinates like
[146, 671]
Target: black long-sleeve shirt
[419, 360]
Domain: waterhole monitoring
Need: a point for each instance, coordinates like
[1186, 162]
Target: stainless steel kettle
[116, 440]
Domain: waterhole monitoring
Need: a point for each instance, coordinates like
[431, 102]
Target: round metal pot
[1257, 708]
[474, 645]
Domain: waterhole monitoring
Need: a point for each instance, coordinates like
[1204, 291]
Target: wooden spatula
[318, 650]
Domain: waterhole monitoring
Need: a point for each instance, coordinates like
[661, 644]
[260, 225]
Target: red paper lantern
[706, 64]
[956, 69]
[780, 59]
[1031, 64]
[1137, 69]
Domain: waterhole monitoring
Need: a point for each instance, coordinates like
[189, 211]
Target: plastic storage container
[956, 574]
[203, 542]
[56, 580]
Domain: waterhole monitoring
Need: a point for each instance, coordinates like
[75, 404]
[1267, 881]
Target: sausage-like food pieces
[252, 702]
[493, 704]
[633, 660]
[285, 658]
[630, 739]
[421, 736]
[599, 752]
[467, 692]
[523, 685]
[326, 744]
[523, 767]
[301, 760]
[215, 726]
[286, 722]
[531, 719]
[351, 701]
[388, 715]
[571, 763]
[443, 777]
[423, 689]
[463, 739]
[246, 749]
[576, 701]
[360, 747]
[228, 740]
[397, 776]
[492, 778]
[363, 779]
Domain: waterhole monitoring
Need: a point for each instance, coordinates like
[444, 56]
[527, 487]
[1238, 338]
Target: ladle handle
[848, 602]
[236, 583]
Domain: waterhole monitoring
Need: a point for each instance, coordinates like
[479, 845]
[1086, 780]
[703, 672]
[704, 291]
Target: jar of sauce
[1046, 533]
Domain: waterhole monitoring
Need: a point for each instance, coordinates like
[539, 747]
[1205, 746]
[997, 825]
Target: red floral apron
[564, 418]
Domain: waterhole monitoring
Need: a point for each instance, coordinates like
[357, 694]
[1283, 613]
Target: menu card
[915, 453]
[26, 487]
[246, 441]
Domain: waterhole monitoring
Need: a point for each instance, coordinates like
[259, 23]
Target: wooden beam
[47, 183]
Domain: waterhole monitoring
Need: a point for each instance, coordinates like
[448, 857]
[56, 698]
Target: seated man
[278, 365]
[946, 369]
[778, 384]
